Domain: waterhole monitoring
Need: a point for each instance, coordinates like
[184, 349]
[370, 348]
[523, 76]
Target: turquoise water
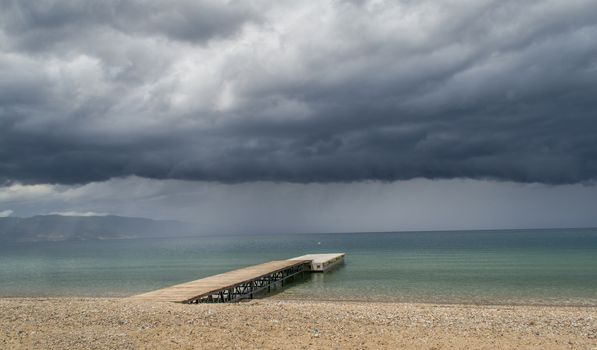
[525, 266]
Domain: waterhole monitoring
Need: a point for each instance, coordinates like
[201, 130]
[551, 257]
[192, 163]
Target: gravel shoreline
[99, 323]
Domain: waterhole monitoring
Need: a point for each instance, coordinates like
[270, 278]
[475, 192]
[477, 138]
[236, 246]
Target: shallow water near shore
[554, 267]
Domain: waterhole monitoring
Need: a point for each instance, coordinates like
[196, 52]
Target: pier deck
[229, 286]
[322, 262]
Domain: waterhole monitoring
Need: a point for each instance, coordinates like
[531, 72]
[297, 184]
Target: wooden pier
[232, 286]
[229, 286]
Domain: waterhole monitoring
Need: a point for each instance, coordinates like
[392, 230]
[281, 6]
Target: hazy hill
[59, 228]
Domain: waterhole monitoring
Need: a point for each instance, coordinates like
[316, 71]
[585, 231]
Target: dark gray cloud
[40, 25]
[298, 91]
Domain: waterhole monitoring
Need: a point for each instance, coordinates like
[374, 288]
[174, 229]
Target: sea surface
[555, 267]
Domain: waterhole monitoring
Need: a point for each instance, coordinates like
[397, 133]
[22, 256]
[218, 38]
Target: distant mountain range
[61, 228]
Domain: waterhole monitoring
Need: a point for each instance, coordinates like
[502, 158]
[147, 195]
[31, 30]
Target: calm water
[530, 266]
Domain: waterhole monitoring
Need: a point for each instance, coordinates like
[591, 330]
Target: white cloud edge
[77, 213]
[6, 213]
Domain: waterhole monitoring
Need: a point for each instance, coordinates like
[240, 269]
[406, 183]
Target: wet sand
[96, 323]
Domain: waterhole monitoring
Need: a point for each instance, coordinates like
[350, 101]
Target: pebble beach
[100, 323]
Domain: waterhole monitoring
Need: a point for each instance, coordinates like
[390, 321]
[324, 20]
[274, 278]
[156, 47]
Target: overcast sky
[302, 115]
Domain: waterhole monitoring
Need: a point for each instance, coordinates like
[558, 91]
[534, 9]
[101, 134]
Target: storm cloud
[298, 91]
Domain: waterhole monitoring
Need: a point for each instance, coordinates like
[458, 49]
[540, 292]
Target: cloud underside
[326, 91]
